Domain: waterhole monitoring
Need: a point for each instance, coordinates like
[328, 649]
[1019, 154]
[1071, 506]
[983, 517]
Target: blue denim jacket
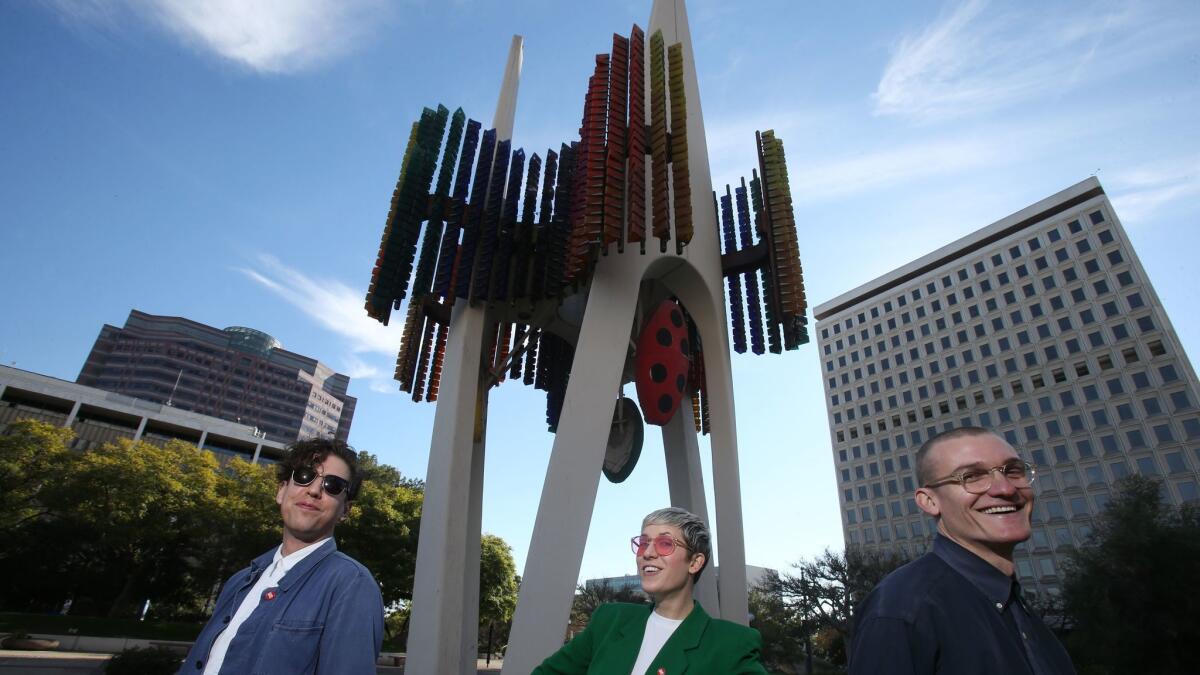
[327, 619]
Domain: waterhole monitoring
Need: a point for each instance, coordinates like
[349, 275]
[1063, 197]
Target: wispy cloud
[271, 36]
[975, 58]
[839, 177]
[339, 309]
[329, 302]
[1139, 192]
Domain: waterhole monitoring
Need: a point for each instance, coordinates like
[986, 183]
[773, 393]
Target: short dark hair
[311, 452]
[923, 468]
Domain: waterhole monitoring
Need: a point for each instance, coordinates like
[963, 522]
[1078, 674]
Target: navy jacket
[950, 611]
[327, 618]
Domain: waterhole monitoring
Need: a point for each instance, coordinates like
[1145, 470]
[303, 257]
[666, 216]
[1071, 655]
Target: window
[1147, 467]
[1179, 400]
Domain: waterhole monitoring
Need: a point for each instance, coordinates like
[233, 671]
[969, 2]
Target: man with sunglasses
[958, 608]
[676, 634]
[301, 607]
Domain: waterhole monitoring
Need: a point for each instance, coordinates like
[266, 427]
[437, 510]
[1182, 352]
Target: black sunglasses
[333, 485]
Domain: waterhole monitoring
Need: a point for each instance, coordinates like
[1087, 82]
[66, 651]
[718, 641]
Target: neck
[291, 545]
[1000, 557]
[676, 605]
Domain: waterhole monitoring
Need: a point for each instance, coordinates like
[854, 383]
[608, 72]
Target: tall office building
[1043, 326]
[237, 374]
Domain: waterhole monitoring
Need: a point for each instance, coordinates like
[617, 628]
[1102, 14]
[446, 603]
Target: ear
[927, 501]
[697, 563]
[280, 493]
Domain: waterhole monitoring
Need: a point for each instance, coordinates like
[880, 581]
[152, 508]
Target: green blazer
[610, 644]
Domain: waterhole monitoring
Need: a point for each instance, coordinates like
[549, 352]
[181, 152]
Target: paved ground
[13, 661]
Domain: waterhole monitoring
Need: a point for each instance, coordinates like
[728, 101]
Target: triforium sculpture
[544, 272]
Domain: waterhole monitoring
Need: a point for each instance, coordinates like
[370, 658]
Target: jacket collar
[300, 570]
[673, 657]
[991, 582]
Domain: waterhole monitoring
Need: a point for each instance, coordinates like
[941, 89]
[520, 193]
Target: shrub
[152, 661]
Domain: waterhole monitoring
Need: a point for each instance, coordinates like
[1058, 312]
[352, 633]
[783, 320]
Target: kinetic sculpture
[543, 271]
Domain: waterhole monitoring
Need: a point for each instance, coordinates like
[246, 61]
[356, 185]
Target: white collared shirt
[280, 565]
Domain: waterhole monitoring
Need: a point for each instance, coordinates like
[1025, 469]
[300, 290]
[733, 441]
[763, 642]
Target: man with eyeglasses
[958, 608]
[301, 607]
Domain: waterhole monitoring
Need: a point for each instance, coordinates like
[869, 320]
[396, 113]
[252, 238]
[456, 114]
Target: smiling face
[669, 575]
[991, 524]
[309, 513]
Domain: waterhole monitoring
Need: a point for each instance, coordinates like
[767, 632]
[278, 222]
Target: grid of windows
[1051, 335]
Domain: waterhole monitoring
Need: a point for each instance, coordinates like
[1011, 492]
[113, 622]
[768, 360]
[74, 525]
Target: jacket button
[226, 619]
[199, 665]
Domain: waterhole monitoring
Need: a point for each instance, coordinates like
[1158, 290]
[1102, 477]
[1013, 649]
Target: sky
[233, 163]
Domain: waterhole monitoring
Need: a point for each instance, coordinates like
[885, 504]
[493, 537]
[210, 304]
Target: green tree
[497, 581]
[31, 455]
[382, 533]
[1129, 590]
[589, 597]
[825, 591]
[783, 628]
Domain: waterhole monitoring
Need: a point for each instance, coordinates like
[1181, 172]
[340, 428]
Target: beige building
[1044, 326]
[99, 417]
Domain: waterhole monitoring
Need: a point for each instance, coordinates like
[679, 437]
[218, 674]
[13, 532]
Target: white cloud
[273, 36]
[383, 386]
[1139, 192]
[820, 180]
[976, 58]
[331, 303]
[357, 368]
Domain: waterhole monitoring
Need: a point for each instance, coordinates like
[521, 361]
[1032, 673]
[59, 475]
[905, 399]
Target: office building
[98, 417]
[237, 374]
[1044, 326]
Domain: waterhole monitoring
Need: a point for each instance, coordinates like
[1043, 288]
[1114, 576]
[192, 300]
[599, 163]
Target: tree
[497, 589]
[589, 597]
[30, 454]
[1128, 590]
[382, 533]
[826, 590]
[782, 627]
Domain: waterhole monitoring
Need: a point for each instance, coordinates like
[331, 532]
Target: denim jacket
[326, 618]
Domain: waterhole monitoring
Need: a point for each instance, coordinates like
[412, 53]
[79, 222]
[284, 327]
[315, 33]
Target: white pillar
[443, 631]
[137, 436]
[257, 453]
[685, 478]
[74, 413]
[573, 475]
[435, 637]
[203, 438]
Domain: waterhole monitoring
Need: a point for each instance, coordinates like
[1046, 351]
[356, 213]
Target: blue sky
[233, 163]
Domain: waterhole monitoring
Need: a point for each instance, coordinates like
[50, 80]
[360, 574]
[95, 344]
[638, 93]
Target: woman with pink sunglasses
[676, 634]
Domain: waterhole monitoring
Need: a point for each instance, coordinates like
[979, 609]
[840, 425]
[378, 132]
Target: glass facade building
[237, 374]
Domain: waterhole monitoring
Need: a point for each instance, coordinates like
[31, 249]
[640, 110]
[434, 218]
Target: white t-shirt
[658, 629]
[270, 577]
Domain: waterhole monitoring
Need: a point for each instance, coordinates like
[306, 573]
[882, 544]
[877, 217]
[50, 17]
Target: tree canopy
[105, 530]
[1129, 594]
